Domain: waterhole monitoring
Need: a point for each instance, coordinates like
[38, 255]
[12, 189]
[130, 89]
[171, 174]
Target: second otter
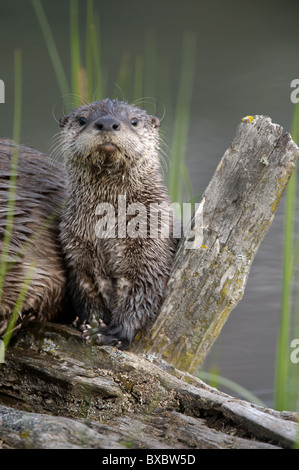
[111, 150]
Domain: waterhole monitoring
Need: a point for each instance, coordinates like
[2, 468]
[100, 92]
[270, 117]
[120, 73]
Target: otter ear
[155, 122]
[63, 120]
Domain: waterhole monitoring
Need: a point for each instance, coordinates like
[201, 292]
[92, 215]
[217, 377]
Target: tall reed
[76, 70]
[182, 115]
[286, 376]
[216, 380]
[52, 49]
[94, 73]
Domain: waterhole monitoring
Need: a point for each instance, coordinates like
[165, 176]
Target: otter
[34, 251]
[111, 151]
[116, 280]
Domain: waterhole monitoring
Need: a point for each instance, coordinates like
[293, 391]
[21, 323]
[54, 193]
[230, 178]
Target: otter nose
[107, 123]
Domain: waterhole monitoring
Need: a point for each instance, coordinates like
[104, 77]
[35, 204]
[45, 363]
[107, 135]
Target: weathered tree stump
[58, 392]
[237, 209]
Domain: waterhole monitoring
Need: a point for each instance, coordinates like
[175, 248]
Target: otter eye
[82, 120]
[134, 122]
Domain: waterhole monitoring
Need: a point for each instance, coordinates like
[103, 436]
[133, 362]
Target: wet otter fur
[110, 149]
[34, 249]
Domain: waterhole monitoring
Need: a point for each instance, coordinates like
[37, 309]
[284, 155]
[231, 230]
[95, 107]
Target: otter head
[110, 133]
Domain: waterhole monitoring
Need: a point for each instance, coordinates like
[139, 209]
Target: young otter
[111, 152]
[34, 250]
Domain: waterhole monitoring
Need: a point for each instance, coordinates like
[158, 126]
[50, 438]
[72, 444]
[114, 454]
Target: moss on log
[236, 212]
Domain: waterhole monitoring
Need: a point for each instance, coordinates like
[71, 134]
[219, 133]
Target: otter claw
[94, 322]
[86, 334]
[81, 326]
[76, 323]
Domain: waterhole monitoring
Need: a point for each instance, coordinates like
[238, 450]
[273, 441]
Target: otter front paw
[102, 334]
[83, 326]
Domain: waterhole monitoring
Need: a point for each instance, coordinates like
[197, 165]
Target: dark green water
[247, 56]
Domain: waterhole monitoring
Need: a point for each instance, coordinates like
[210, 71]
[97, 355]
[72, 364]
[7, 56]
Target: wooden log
[236, 211]
[57, 392]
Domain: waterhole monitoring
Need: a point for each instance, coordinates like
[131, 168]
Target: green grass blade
[151, 65]
[57, 64]
[283, 339]
[236, 388]
[98, 74]
[188, 184]
[166, 92]
[94, 73]
[182, 115]
[123, 83]
[88, 50]
[138, 78]
[75, 53]
[282, 372]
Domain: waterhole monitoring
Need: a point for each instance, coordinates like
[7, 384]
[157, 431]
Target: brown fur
[119, 280]
[40, 190]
